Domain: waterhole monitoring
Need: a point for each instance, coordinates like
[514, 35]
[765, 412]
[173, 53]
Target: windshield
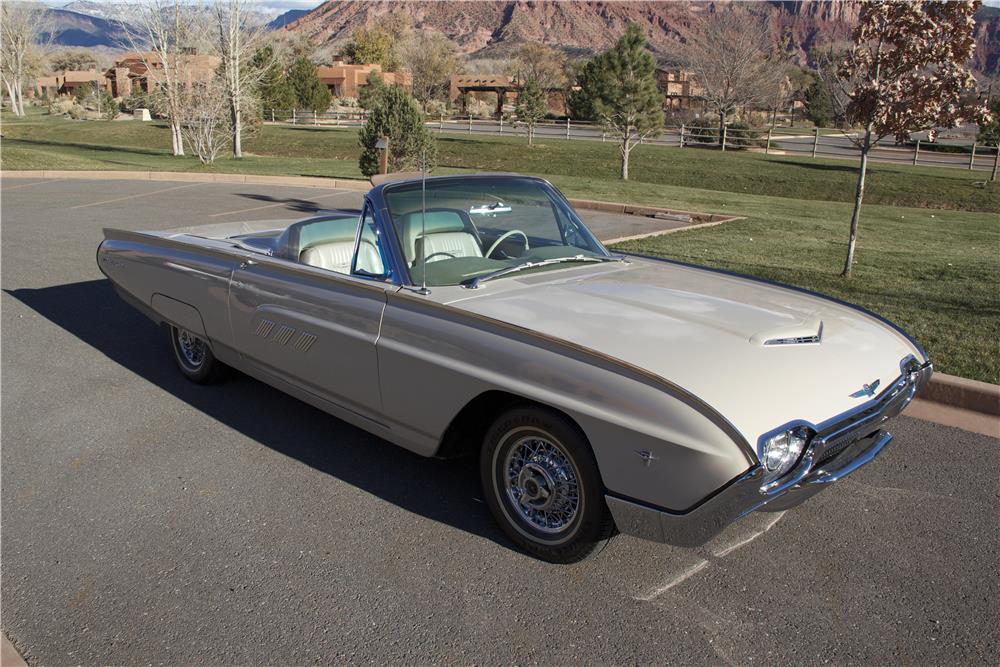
[472, 227]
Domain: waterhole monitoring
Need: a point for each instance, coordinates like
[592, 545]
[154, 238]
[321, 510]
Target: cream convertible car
[477, 314]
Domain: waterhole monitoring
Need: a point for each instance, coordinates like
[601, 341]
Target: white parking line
[683, 576]
[741, 543]
[136, 196]
[28, 185]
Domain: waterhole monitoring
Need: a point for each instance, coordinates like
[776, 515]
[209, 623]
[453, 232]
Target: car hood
[740, 345]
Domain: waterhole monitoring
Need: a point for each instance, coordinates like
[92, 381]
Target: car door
[312, 327]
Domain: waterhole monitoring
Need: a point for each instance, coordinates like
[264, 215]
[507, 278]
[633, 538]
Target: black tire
[561, 461]
[194, 358]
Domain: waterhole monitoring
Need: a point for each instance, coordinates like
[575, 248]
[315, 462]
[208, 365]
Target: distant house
[505, 87]
[71, 81]
[47, 86]
[680, 90]
[143, 71]
[346, 80]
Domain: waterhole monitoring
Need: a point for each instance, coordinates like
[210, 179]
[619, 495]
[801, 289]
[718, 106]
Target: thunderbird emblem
[867, 390]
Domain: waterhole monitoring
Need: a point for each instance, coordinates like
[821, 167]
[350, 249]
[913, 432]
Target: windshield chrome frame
[401, 272]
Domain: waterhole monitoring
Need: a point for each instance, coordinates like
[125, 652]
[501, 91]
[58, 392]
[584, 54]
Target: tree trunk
[20, 98]
[722, 126]
[858, 197]
[13, 98]
[996, 162]
[237, 130]
[531, 134]
[176, 140]
[625, 149]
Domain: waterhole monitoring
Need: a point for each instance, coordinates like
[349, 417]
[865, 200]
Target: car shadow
[446, 491]
[294, 204]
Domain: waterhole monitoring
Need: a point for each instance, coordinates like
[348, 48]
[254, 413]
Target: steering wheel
[504, 237]
[440, 253]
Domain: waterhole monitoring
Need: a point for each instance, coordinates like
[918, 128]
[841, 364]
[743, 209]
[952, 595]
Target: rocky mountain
[494, 27]
[70, 28]
[284, 19]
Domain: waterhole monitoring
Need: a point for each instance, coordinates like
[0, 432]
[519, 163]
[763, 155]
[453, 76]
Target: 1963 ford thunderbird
[479, 315]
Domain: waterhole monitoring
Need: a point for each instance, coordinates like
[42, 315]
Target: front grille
[832, 452]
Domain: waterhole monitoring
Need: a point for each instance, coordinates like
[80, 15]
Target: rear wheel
[194, 357]
[541, 482]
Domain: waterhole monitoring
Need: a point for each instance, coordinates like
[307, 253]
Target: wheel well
[464, 435]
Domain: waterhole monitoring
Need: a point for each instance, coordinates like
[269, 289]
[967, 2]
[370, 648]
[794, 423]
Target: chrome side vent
[264, 328]
[304, 342]
[284, 334]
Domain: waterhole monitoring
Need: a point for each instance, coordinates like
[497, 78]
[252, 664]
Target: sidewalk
[9, 657]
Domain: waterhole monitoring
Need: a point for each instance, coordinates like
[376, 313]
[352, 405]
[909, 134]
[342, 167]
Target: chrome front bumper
[841, 446]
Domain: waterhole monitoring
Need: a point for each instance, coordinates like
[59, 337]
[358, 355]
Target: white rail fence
[811, 142]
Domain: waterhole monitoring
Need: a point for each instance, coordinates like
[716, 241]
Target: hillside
[72, 28]
[495, 27]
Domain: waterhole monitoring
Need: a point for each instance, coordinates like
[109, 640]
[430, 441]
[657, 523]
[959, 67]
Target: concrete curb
[697, 217]
[963, 393]
[189, 177]
[9, 657]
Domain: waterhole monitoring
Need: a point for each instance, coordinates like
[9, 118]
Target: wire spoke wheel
[541, 484]
[192, 349]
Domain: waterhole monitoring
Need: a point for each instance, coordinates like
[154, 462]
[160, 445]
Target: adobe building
[346, 80]
[505, 87]
[141, 71]
[680, 91]
[46, 86]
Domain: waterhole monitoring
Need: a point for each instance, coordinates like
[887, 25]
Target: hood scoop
[807, 333]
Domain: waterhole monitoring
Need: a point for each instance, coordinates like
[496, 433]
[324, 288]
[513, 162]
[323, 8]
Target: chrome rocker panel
[843, 444]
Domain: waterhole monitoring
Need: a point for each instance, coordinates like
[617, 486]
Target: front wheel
[194, 357]
[542, 485]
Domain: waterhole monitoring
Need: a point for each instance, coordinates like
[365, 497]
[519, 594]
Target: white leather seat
[337, 257]
[330, 256]
[441, 234]
[445, 245]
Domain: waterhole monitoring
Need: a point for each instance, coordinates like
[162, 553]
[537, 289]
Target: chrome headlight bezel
[779, 451]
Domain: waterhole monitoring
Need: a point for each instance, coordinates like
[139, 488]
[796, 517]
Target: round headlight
[782, 451]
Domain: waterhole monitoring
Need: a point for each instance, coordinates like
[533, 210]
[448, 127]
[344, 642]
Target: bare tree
[239, 37]
[732, 58]
[431, 58]
[907, 72]
[164, 33]
[21, 25]
[547, 66]
[205, 118]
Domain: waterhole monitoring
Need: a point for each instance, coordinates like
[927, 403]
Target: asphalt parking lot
[150, 520]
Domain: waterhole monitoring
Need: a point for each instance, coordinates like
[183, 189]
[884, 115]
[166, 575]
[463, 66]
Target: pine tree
[309, 91]
[620, 87]
[369, 94]
[395, 115]
[273, 90]
[819, 103]
[530, 107]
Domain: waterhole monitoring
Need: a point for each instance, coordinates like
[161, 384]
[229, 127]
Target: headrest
[434, 221]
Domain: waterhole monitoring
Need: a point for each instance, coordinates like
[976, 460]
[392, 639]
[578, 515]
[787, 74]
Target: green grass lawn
[47, 142]
[928, 253]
